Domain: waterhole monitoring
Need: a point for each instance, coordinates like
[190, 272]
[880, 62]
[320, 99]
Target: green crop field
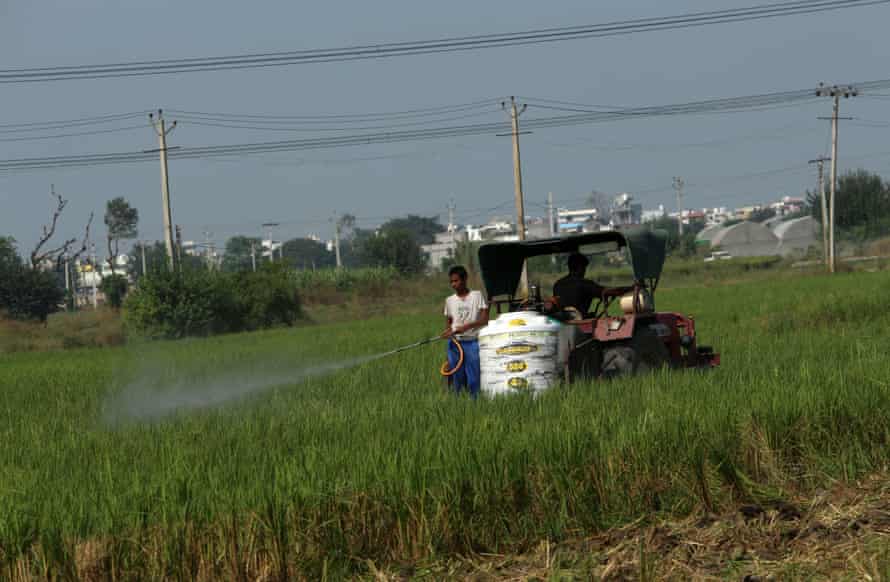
[258, 456]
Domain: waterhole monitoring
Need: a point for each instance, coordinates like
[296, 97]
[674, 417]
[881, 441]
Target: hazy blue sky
[302, 189]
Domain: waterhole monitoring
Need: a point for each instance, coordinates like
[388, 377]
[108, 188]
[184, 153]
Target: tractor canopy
[501, 263]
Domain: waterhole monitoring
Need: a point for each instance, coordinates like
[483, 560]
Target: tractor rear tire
[642, 353]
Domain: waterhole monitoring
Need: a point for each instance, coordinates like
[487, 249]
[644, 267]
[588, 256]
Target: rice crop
[324, 475]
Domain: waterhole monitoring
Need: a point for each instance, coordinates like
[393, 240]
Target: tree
[9, 256]
[305, 253]
[394, 248]
[26, 293]
[422, 228]
[155, 258]
[38, 255]
[121, 220]
[862, 208]
[683, 246]
[115, 288]
[237, 255]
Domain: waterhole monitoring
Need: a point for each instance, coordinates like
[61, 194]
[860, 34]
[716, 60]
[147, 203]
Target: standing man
[465, 312]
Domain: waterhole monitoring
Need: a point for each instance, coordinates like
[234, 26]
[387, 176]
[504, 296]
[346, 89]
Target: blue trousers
[468, 375]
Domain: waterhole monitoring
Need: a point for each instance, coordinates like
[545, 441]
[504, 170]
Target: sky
[728, 159]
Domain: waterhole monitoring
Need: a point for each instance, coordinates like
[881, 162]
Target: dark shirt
[576, 292]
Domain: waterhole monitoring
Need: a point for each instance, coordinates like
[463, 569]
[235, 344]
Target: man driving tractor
[574, 292]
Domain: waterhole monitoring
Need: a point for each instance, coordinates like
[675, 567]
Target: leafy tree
[115, 288]
[26, 293]
[155, 258]
[422, 228]
[9, 256]
[237, 255]
[394, 248]
[683, 246]
[862, 208]
[121, 221]
[305, 253]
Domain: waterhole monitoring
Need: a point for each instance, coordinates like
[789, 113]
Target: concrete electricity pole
[163, 131]
[550, 229]
[515, 112]
[338, 223]
[178, 245]
[678, 186]
[550, 226]
[835, 92]
[253, 256]
[208, 257]
[142, 247]
[821, 189]
[451, 226]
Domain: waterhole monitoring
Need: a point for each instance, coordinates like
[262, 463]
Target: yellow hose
[460, 360]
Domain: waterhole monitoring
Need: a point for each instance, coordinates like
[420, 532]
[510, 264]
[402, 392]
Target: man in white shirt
[465, 313]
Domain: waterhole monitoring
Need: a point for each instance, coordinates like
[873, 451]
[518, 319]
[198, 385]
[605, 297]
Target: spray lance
[444, 370]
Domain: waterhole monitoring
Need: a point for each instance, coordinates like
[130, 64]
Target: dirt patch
[838, 534]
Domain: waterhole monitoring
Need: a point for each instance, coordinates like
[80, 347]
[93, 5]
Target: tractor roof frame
[501, 263]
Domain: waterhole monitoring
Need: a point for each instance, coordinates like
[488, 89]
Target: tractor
[530, 344]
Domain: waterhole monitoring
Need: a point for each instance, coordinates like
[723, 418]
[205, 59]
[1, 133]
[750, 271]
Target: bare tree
[39, 255]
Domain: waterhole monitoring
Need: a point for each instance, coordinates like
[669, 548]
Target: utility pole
[207, 255]
[163, 131]
[253, 255]
[835, 92]
[338, 223]
[142, 247]
[821, 189]
[678, 186]
[515, 112]
[67, 276]
[96, 274]
[550, 226]
[178, 245]
[451, 226]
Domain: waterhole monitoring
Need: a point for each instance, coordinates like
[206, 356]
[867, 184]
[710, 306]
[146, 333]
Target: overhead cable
[442, 45]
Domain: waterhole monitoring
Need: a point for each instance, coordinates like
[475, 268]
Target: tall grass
[378, 463]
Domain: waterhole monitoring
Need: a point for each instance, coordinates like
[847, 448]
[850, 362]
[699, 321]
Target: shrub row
[195, 302]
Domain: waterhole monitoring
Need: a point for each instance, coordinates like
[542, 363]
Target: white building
[653, 215]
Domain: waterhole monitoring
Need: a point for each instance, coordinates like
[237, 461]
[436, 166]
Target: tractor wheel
[642, 353]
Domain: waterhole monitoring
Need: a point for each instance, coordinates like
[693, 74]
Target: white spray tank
[522, 351]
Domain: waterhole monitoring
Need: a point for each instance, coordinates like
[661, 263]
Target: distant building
[625, 212]
[653, 215]
[270, 247]
[693, 217]
[494, 230]
[717, 215]
[788, 205]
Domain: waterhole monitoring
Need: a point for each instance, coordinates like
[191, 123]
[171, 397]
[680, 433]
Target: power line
[340, 117]
[442, 45]
[733, 104]
[35, 126]
[76, 134]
